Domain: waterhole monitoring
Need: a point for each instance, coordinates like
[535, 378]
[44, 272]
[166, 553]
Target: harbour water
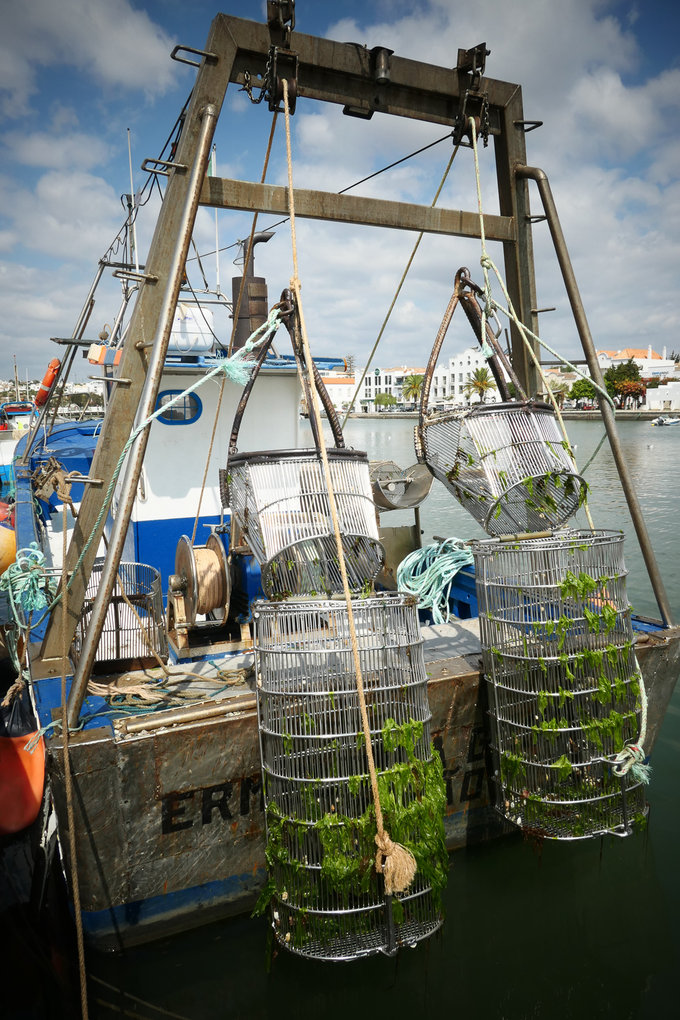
[566, 930]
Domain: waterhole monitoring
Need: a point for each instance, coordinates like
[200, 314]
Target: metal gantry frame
[364, 82]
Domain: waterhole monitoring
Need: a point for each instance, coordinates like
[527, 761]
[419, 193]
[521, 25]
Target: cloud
[58, 149]
[67, 215]
[114, 43]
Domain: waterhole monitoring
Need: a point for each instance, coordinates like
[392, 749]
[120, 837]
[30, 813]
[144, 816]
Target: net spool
[205, 576]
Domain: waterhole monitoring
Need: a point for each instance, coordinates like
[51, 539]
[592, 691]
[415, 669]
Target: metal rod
[146, 406]
[540, 177]
[244, 703]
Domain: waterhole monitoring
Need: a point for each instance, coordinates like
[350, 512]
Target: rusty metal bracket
[211, 57]
[284, 65]
[473, 61]
[280, 21]
[476, 105]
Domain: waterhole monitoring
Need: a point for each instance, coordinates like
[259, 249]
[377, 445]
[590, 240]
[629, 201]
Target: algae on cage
[413, 800]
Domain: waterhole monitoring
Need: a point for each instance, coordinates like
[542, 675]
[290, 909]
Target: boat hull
[170, 824]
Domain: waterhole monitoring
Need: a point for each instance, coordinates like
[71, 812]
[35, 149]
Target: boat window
[184, 412]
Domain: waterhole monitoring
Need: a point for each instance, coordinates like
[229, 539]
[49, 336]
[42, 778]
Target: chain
[266, 80]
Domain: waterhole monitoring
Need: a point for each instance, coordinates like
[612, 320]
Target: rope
[632, 757]
[400, 284]
[25, 582]
[429, 573]
[233, 333]
[395, 862]
[68, 783]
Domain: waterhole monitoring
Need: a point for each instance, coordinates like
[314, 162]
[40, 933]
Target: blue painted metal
[171, 911]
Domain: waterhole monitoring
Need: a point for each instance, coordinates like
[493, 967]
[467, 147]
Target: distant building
[340, 389]
[650, 363]
[449, 379]
[665, 397]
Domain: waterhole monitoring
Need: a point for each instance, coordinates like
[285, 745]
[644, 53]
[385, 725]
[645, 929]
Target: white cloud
[69, 215]
[112, 41]
[58, 149]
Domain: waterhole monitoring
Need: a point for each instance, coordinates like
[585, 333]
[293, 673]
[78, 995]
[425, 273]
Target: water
[582, 930]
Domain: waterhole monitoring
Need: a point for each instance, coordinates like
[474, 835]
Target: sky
[602, 75]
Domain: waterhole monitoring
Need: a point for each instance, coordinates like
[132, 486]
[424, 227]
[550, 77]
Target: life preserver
[48, 382]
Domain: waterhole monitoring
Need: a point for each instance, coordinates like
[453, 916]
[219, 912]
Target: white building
[651, 364]
[449, 380]
[665, 397]
[340, 389]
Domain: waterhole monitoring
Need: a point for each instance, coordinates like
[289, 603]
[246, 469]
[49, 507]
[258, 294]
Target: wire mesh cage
[134, 627]
[506, 463]
[280, 501]
[564, 686]
[326, 899]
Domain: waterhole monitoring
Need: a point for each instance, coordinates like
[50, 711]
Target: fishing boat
[135, 631]
[16, 416]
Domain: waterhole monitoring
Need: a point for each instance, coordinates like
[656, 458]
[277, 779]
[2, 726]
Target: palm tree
[412, 386]
[560, 388]
[479, 384]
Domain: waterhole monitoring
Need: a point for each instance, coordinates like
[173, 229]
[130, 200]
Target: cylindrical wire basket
[327, 901]
[506, 463]
[134, 628]
[280, 501]
[563, 681]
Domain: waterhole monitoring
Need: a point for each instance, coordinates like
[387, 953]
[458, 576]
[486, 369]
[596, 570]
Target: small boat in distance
[662, 420]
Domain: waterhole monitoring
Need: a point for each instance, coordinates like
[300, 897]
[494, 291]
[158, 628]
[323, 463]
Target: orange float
[46, 385]
[8, 545]
[22, 776]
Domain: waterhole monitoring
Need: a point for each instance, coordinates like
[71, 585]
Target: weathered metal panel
[225, 193]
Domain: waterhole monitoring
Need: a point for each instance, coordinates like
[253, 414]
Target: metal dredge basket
[564, 686]
[328, 901]
[505, 463]
[280, 500]
[134, 627]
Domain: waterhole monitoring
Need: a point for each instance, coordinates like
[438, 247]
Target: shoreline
[569, 415]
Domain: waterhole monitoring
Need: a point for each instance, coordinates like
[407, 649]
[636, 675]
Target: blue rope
[429, 573]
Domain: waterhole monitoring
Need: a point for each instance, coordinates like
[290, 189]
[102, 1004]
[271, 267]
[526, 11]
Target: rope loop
[632, 759]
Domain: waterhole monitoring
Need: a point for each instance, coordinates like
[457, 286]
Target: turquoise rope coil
[26, 582]
[429, 573]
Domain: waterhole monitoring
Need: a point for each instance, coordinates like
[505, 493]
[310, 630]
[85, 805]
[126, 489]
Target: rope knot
[395, 863]
[632, 759]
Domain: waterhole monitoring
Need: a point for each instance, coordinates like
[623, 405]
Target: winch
[200, 587]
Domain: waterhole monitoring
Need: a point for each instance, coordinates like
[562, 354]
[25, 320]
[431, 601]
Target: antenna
[133, 218]
[212, 171]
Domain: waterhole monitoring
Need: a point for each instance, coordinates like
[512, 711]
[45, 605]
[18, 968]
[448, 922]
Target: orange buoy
[22, 777]
[8, 546]
[46, 385]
